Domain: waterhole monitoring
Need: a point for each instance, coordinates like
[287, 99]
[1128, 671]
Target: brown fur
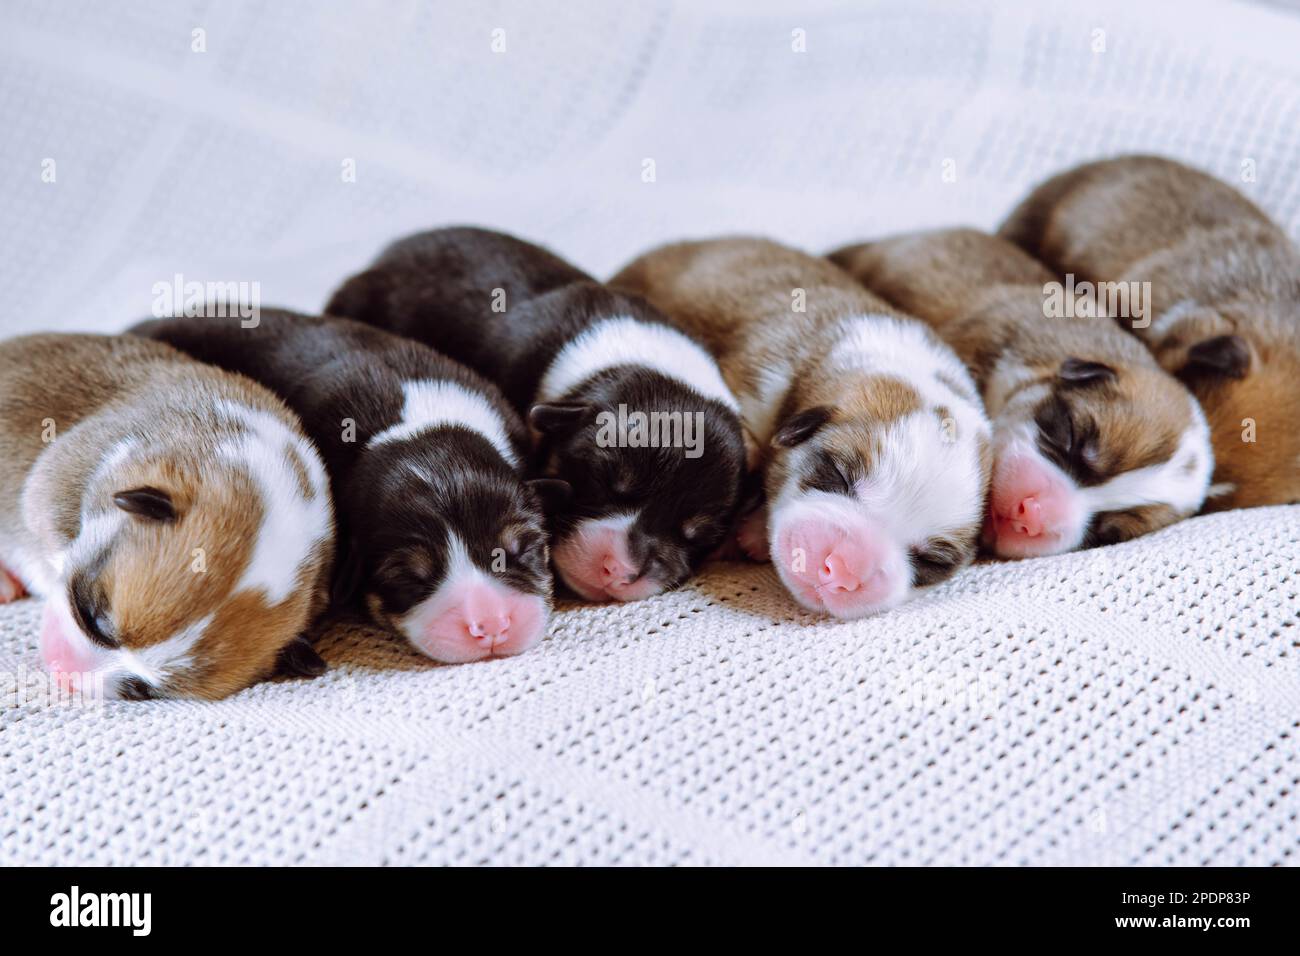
[736, 296]
[986, 297]
[98, 390]
[1211, 252]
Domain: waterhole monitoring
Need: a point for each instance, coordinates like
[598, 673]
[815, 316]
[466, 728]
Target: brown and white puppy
[1093, 442]
[1224, 310]
[875, 445]
[440, 537]
[174, 517]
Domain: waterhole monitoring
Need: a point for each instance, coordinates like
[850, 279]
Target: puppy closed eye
[521, 541]
[829, 474]
[93, 616]
[935, 561]
[699, 528]
[411, 564]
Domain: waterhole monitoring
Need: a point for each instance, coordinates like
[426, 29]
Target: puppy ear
[553, 493]
[799, 428]
[299, 659]
[553, 418]
[151, 504]
[1077, 371]
[347, 576]
[1224, 356]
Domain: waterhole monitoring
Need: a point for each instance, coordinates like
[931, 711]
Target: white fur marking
[291, 525]
[625, 341]
[433, 404]
[156, 663]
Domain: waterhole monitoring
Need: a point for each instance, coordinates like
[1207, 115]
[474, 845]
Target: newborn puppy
[444, 537]
[875, 446]
[1224, 310]
[630, 412]
[1093, 442]
[174, 517]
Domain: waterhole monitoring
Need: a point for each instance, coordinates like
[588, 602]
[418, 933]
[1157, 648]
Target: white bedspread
[1133, 704]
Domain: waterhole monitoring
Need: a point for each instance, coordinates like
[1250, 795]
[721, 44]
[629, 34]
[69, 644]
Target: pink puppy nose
[836, 575]
[1028, 517]
[614, 571]
[487, 617]
[490, 631]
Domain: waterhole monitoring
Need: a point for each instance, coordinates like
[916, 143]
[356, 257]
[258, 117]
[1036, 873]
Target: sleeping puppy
[875, 447]
[443, 536]
[630, 412]
[1224, 301]
[174, 517]
[1093, 442]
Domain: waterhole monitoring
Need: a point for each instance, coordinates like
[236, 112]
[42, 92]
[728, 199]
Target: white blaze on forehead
[922, 484]
[626, 341]
[292, 526]
[1010, 381]
[93, 537]
[460, 572]
[437, 404]
[926, 476]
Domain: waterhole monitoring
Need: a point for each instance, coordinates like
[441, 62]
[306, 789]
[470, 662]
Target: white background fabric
[1134, 704]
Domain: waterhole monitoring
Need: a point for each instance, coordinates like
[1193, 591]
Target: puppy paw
[11, 589]
[751, 536]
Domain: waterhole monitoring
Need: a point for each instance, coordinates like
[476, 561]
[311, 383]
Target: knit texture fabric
[1136, 704]
[1132, 704]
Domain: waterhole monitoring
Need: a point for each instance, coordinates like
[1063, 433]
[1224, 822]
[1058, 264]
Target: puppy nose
[488, 630]
[836, 575]
[615, 572]
[1028, 517]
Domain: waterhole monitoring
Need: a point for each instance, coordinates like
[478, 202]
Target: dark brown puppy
[629, 410]
[1224, 310]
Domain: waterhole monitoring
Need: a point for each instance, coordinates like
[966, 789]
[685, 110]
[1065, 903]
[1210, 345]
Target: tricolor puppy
[876, 448]
[1224, 307]
[630, 412]
[442, 535]
[1093, 442]
[174, 517]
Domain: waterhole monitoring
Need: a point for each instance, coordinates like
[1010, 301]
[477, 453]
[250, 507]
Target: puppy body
[869, 430]
[1094, 443]
[581, 360]
[444, 538]
[174, 517]
[1224, 300]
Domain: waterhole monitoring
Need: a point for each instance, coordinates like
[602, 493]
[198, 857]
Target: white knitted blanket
[1133, 704]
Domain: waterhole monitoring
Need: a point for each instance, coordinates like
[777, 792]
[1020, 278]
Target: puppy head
[1090, 454]
[655, 470]
[1249, 386]
[448, 546]
[877, 489]
[190, 576]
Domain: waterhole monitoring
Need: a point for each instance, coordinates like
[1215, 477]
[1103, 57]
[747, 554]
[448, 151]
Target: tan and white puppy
[174, 517]
[872, 437]
[1093, 442]
[1224, 310]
